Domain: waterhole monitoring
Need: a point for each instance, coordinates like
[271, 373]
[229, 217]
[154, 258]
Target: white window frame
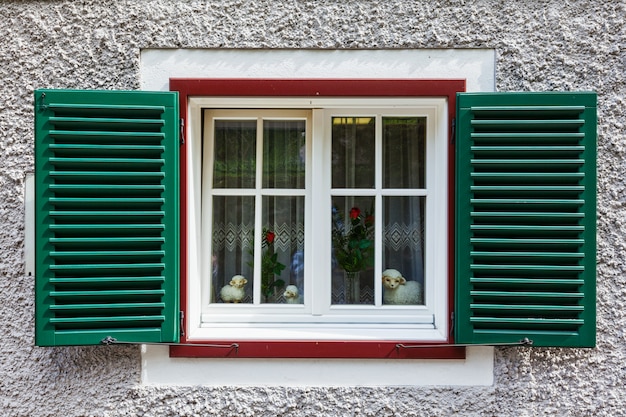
[341, 322]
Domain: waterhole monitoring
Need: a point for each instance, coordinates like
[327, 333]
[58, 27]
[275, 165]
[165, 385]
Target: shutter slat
[525, 214]
[530, 307]
[538, 268]
[85, 268]
[85, 281]
[526, 294]
[521, 282]
[102, 201]
[525, 149]
[98, 122]
[553, 124]
[106, 293]
[83, 254]
[86, 321]
[103, 135]
[129, 240]
[107, 196]
[543, 110]
[101, 213]
[497, 177]
[530, 255]
[527, 322]
[110, 175]
[576, 242]
[110, 306]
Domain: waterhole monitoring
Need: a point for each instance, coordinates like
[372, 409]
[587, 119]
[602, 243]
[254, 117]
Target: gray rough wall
[541, 45]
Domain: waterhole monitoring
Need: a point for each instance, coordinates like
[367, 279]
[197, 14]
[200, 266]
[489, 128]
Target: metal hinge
[182, 131]
[453, 132]
[451, 323]
[42, 106]
[182, 323]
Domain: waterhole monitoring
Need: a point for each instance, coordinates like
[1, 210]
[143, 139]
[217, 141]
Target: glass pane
[283, 153]
[233, 238]
[403, 152]
[353, 146]
[235, 154]
[282, 265]
[403, 255]
[352, 250]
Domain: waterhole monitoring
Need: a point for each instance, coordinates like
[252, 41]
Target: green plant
[270, 267]
[354, 247]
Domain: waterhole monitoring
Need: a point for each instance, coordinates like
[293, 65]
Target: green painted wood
[525, 218]
[107, 217]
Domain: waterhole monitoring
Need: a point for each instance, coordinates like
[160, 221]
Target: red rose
[369, 220]
[354, 213]
[270, 236]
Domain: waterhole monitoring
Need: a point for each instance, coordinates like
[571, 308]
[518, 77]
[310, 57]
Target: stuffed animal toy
[397, 290]
[292, 295]
[234, 292]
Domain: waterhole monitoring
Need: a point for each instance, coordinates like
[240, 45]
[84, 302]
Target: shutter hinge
[526, 342]
[182, 131]
[42, 106]
[452, 323]
[182, 323]
[109, 340]
[453, 132]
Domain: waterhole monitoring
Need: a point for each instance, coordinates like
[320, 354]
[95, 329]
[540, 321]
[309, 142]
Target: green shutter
[107, 223]
[526, 218]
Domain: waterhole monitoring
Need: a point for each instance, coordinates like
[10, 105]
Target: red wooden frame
[214, 87]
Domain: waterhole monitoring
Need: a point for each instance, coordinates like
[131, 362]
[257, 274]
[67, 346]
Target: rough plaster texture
[541, 45]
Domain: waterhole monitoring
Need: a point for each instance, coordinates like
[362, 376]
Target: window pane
[283, 153]
[282, 265]
[353, 145]
[233, 238]
[403, 152]
[352, 250]
[403, 235]
[235, 154]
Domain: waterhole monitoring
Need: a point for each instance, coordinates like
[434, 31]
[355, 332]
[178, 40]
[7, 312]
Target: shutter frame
[526, 218]
[106, 217]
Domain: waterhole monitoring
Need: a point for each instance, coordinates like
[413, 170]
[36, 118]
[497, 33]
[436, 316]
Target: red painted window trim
[213, 87]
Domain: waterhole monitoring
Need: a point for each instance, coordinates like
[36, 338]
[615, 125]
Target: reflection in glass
[282, 265]
[234, 154]
[233, 237]
[403, 250]
[352, 250]
[283, 153]
[403, 152]
[353, 147]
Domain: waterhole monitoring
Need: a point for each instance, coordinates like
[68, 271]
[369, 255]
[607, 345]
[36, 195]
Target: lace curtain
[233, 220]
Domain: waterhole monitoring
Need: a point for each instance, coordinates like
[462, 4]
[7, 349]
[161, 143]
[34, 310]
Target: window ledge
[324, 349]
[160, 369]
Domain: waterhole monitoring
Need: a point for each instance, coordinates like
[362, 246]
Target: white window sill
[159, 369]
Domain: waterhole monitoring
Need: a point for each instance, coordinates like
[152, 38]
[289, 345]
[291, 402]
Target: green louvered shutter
[107, 223]
[526, 218]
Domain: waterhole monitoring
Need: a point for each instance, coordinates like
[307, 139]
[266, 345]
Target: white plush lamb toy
[234, 292]
[400, 291]
[292, 295]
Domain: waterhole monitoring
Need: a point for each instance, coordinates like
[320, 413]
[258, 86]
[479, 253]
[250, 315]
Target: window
[520, 255]
[327, 197]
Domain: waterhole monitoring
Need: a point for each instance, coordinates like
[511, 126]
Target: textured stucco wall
[541, 45]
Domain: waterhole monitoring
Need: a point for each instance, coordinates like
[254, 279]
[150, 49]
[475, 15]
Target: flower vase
[352, 287]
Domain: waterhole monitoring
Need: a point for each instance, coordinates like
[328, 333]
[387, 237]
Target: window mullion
[319, 163]
[378, 218]
[258, 214]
